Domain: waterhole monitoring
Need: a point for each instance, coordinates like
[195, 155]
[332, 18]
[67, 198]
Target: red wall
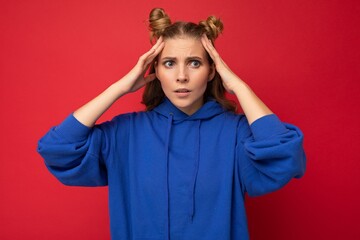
[301, 57]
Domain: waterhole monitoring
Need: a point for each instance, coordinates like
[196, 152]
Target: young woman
[180, 169]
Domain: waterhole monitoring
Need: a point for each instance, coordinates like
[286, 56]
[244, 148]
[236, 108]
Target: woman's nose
[182, 76]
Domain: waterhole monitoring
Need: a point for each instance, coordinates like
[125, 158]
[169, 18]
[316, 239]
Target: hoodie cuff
[72, 129]
[267, 126]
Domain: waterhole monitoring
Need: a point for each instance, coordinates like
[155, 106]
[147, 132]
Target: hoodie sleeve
[270, 154]
[75, 153]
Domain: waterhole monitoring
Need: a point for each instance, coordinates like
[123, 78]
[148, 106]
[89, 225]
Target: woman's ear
[212, 72]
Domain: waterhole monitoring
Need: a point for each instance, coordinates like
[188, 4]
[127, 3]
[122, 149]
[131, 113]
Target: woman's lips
[182, 92]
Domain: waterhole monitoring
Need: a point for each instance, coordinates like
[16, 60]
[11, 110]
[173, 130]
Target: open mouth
[182, 90]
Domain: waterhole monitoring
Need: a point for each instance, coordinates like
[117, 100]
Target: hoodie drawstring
[167, 216]
[196, 170]
[194, 176]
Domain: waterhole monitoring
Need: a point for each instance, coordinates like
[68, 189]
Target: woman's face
[184, 71]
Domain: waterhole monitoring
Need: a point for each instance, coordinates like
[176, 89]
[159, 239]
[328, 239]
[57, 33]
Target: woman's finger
[153, 51]
[158, 42]
[210, 49]
[150, 77]
[156, 52]
[157, 47]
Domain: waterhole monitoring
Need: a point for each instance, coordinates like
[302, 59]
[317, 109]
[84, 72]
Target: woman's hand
[230, 80]
[252, 106]
[136, 78]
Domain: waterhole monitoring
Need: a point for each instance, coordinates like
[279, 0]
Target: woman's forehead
[183, 46]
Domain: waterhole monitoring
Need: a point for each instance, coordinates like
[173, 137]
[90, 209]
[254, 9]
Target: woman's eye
[168, 63]
[195, 63]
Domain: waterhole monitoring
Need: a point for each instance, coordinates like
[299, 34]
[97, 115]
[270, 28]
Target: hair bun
[158, 21]
[213, 27]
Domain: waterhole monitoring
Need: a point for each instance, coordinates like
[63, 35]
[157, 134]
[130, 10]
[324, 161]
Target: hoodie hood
[210, 109]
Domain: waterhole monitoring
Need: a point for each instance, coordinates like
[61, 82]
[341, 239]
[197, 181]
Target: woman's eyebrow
[194, 58]
[188, 58]
[168, 58]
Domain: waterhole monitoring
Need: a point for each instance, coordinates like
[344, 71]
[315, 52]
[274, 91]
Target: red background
[301, 57]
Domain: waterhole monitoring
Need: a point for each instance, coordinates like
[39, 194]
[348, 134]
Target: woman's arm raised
[252, 106]
[131, 82]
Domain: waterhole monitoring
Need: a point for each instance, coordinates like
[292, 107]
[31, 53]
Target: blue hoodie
[174, 176]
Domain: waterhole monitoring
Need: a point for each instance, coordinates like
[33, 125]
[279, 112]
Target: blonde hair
[161, 25]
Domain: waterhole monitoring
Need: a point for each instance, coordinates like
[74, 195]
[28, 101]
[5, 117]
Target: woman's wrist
[252, 106]
[239, 87]
[118, 89]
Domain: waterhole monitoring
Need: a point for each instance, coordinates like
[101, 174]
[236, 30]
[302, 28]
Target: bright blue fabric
[174, 176]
